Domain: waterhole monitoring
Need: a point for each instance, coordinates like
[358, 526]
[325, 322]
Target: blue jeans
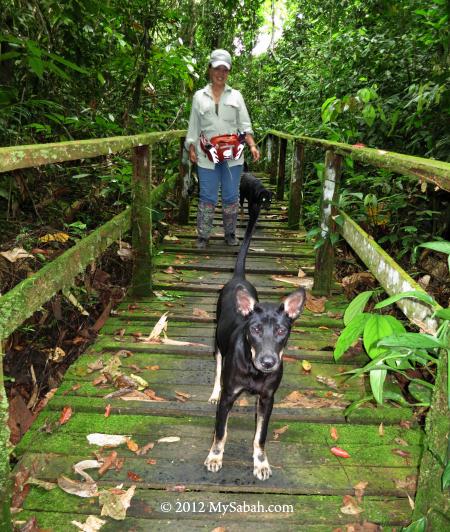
[222, 176]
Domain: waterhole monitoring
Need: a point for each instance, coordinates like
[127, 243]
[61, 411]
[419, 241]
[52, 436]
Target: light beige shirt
[232, 117]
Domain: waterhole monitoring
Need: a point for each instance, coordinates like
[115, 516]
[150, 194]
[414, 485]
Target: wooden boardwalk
[310, 486]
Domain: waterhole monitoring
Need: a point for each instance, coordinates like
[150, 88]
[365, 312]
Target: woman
[218, 110]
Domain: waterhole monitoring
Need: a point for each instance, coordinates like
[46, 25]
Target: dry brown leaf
[219, 529]
[151, 461]
[334, 433]
[359, 490]
[400, 441]
[169, 341]
[184, 395]
[301, 273]
[200, 313]
[409, 483]
[92, 524]
[350, 506]
[100, 380]
[115, 502]
[80, 468]
[132, 445]
[160, 326]
[134, 477]
[16, 254]
[381, 430]
[78, 487]
[243, 401]
[108, 462]
[145, 449]
[179, 488]
[306, 282]
[315, 304]
[169, 439]
[95, 366]
[328, 381]
[277, 432]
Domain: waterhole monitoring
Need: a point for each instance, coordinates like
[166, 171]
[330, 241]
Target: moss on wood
[16, 157]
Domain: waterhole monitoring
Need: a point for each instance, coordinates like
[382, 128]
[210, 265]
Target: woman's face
[218, 75]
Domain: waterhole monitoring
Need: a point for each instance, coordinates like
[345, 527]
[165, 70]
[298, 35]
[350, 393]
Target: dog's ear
[245, 303]
[294, 303]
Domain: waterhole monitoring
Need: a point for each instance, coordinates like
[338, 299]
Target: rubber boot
[205, 218]
[229, 216]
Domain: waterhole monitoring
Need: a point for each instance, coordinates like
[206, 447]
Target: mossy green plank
[306, 509]
[195, 442]
[386, 415]
[236, 475]
[152, 426]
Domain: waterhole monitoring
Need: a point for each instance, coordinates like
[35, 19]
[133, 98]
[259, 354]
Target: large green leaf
[440, 245]
[411, 340]
[422, 296]
[417, 526]
[377, 378]
[377, 328]
[350, 334]
[357, 306]
[446, 477]
[420, 392]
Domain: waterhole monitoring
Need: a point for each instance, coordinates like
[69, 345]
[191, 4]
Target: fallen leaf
[411, 502]
[134, 477]
[78, 487]
[107, 410]
[306, 365]
[350, 506]
[169, 270]
[179, 488]
[401, 452]
[277, 432]
[341, 453]
[152, 368]
[106, 440]
[95, 366]
[334, 433]
[171, 238]
[169, 439]
[306, 282]
[132, 445]
[56, 355]
[243, 401]
[219, 529]
[184, 395]
[55, 237]
[315, 304]
[359, 490]
[100, 380]
[301, 273]
[115, 502]
[41, 483]
[405, 424]
[151, 461]
[108, 462]
[409, 483]
[381, 430]
[92, 524]
[144, 450]
[80, 468]
[169, 341]
[160, 326]
[200, 313]
[328, 381]
[66, 414]
[15, 254]
[74, 388]
[400, 441]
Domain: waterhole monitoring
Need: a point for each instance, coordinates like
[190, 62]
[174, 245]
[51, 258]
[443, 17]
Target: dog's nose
[268, 362]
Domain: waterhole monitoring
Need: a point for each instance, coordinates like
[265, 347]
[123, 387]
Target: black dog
[257, 196]
[250, 338]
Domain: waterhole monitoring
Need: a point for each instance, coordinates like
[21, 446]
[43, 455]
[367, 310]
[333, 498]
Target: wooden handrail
[430, 170]
[16, 157]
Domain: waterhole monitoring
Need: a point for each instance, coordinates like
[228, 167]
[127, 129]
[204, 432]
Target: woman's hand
[192, 154]
[255, 153]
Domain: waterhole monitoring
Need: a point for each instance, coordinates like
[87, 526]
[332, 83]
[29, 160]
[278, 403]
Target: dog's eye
[256, 329]
[281, 331]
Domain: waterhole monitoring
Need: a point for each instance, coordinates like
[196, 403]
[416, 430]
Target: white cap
[220, 58]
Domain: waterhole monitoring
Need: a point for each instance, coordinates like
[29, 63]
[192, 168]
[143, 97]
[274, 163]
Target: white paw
[214, 399]
[213, 462]
[262, 470]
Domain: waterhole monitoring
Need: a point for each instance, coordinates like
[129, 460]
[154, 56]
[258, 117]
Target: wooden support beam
[5, 484]
[184, 173]
[324, 268]
[141, 222]
[281, 169]
[273, 163]
[296, 188]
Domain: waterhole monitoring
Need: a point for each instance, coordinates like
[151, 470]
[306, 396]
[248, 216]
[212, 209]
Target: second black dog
[250, 338]
[252, 190]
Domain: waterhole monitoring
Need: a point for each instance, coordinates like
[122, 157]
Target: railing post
[273, 166]
[5, 483]
[296, 188]
[183, 188]
[141, 221]
[323, 272]
[281, 169]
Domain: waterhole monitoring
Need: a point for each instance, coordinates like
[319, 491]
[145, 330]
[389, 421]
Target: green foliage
[390, 347]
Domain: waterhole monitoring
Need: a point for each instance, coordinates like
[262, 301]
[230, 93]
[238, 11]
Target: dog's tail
[239, 268]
